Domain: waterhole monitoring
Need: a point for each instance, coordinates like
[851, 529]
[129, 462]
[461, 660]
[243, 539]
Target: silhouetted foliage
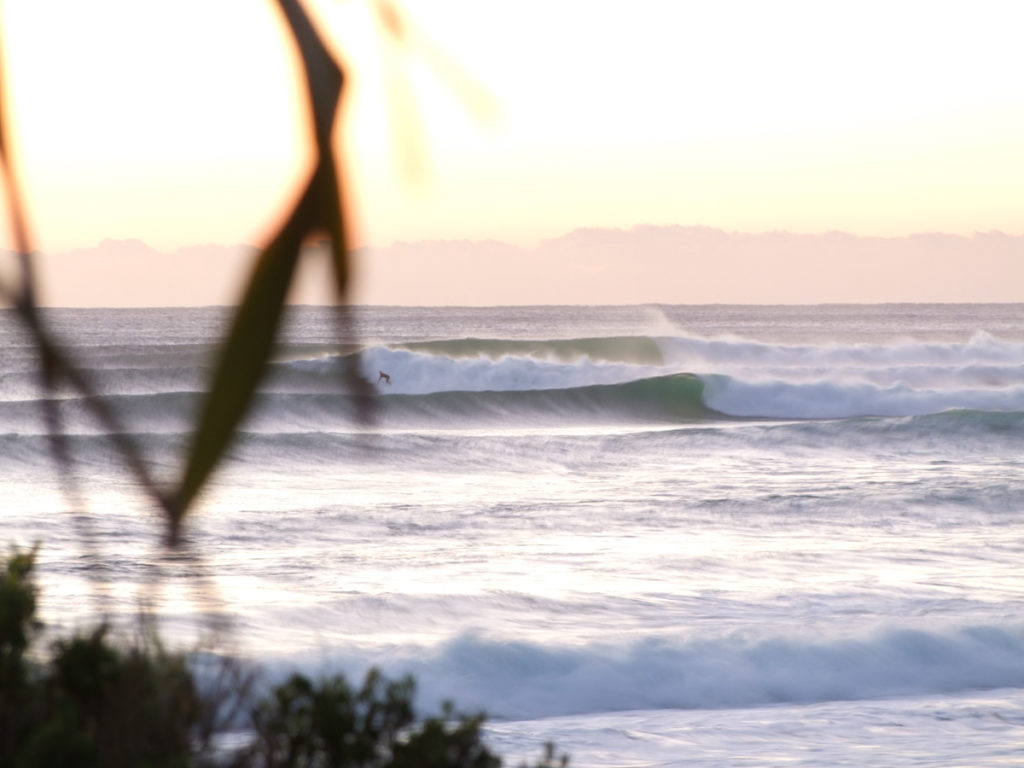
[90, 703]
[335, 726]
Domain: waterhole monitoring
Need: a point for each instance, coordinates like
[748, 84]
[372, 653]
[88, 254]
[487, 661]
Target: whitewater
[657, 536]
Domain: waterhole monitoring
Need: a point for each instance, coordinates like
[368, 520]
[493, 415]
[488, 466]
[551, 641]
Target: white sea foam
[726, 352]
[417, 373]
[831, 399]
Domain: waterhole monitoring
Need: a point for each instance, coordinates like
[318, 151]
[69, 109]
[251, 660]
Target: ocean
[658, 536]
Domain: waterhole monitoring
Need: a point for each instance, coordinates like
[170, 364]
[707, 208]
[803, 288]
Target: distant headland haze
[644, 264]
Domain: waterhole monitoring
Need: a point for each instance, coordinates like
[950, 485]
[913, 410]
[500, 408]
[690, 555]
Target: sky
[181, 124]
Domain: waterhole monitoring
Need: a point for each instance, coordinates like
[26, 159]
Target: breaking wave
[639, 380]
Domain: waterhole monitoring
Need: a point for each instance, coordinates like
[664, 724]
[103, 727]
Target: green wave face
[671, 399]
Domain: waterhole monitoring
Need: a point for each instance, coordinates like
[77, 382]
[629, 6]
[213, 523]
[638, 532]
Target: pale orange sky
[179, 124]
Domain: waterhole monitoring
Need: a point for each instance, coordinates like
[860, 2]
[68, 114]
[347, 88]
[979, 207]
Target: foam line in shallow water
[519, 680]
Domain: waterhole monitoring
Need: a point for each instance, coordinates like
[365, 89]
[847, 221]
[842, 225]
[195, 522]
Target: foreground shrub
[331, 724]
[93, 704]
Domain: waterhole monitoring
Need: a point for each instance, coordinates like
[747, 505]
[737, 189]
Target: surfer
[383, 377]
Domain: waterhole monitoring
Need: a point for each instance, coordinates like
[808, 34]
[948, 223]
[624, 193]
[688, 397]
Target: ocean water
[659, 536]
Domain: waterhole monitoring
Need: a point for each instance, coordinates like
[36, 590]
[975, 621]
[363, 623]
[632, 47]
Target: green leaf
[243, 356]
[245, 353]
[324, 80]
[323, 75]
